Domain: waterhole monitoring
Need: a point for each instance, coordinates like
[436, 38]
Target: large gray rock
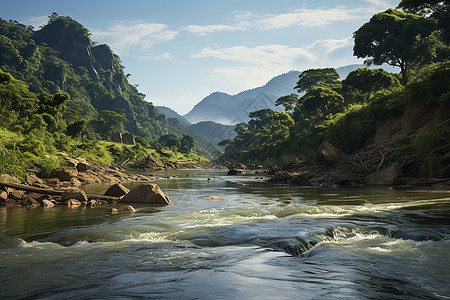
[117, 137]
[117, 190]
[389, 176]
[147, 193]
[330, 155]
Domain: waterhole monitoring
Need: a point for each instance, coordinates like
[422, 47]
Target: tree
[367, 81]
[395, 38]
[170, 140]
[289, 102]
[187, 143]
[109, 121]
[434, 9]
[319, 102]
[314, 77]
[75, 129]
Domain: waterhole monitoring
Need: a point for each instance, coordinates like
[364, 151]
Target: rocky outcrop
[66, 173]
[391, 175]
[234, 171]
[149, 194]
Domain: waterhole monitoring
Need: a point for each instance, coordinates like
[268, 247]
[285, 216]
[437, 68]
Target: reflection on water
[262, 241]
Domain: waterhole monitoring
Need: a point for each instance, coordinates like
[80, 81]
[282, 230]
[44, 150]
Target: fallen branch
[381, 162]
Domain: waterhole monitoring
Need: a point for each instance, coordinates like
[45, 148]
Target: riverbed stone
[389, 176]
[116, 190]
[3, 196]
[92, 203]
[147, 193]
[77, 194]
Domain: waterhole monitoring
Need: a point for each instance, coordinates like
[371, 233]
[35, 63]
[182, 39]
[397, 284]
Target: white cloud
[138, 35]
[164, 56]
[251, 67]
[311, 17]
[206, 29]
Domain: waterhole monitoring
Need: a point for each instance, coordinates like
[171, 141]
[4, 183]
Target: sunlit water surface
[263, 241]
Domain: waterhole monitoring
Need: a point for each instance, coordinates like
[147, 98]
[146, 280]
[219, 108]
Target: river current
[263, 241]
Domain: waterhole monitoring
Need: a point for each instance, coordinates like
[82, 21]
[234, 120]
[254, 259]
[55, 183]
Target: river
[263, 241]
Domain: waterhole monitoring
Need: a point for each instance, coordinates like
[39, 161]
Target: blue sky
[181, 51]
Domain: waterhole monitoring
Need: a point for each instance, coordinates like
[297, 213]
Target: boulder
[6, 178]
[114, 210]
[128, 139]
[147, 193]
[386, 130]
[330, 155]
[32, 179]
[117, 190]
[82, 165]
[77, 194]
[389, 176]
[92, 203]
[66, 173]
[72, 202]
[3, 196]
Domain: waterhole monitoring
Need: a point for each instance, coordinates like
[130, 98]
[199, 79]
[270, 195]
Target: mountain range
[232, 109]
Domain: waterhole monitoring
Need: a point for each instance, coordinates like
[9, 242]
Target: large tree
[314, 77]
[396, 38]
[366, 81]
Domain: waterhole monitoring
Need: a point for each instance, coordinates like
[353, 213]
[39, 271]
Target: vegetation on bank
[34, 128]
[346, 111]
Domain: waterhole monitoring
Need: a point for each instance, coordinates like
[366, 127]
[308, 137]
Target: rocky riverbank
[411, 150]
[64, 188]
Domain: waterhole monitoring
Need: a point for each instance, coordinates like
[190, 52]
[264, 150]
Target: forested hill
[60, 57]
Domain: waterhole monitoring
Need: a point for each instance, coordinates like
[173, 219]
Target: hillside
[171, 114]
[60, 57]
[232, 109]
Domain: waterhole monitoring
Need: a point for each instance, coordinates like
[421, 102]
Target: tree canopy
[314, 77]
[367, 81]
[396, 38]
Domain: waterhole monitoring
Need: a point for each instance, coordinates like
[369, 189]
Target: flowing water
[263, 241]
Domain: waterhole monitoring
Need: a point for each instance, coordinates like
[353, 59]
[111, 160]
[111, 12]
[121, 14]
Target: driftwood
[54, 192]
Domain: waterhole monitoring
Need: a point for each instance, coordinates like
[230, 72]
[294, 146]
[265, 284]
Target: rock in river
[147, 193]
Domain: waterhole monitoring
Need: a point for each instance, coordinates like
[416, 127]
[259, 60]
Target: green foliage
[289, 102]
[314, 77]
[48, 165]
[365, 82]
[396, 38]
[426, 140]
[13, 162]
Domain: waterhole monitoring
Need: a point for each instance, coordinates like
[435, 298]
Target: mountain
[61, 57]
[232, 109]
[171, 114]
[214, 130]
